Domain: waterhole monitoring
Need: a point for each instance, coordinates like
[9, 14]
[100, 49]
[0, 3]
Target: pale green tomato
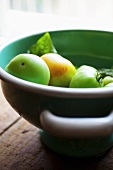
[61, 69]
[107, 80]
[29, 67]
[109, 85]
[86, 77]
[87, 68]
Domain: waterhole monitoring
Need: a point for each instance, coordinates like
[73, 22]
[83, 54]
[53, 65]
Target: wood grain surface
[22, 149]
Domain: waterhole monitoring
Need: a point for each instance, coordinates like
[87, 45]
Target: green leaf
[106, 72]
[43, 45]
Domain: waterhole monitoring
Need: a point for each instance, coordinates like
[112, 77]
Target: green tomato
[107, 80]
[29, 67]
[86, 77]
[109, 85]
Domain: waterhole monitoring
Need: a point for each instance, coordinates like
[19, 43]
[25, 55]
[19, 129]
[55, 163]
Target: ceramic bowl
[73, 121]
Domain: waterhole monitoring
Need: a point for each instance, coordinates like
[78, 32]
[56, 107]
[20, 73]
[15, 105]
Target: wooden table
[21, 147]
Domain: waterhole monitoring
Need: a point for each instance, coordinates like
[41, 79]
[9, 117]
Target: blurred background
[73, 8]
[94, 10]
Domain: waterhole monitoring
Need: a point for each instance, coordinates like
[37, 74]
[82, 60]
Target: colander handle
[76, 127]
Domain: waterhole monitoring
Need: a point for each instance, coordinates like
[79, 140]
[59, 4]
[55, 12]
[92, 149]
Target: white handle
[76, 127]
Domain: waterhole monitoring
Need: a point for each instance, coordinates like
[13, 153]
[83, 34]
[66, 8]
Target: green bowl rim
[51, 90]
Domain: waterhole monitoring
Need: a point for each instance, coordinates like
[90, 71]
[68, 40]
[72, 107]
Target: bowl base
[80, 148]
